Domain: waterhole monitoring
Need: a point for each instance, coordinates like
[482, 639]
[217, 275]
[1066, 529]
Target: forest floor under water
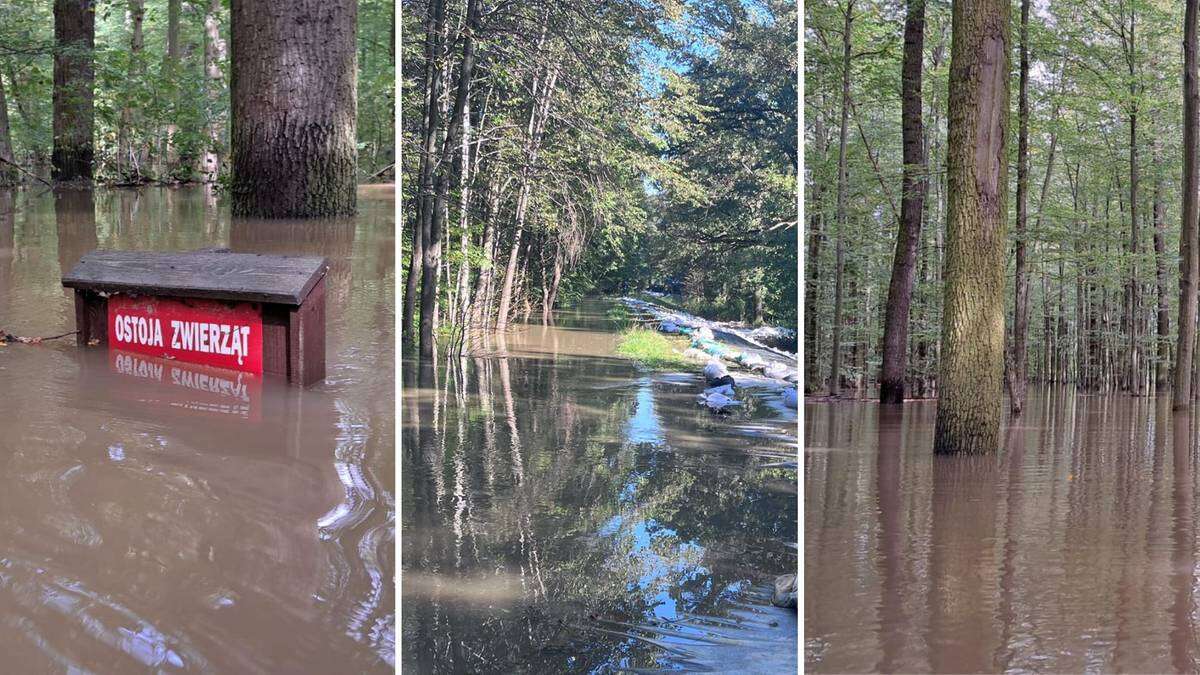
[565, 510]
[1071, 549]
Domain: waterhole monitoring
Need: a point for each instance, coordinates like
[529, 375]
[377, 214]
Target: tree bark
[1162, 360]
[74, 76]
[835, 369]
[1018, 372]
[1189, 246]
[170, 69]
[293, 108]
[214, 54]
[970, 402]
[8, 170]
[912, 201]
[125, 145]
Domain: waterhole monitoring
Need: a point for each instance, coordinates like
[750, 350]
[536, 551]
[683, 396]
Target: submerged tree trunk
[1161, 383]
[214, 54]
[293, 108]
[835, 370]
[74, 75]
[908, 237]
[1189, 246]
[433, 243]
[1018, 371]
[8, 169]
[970, 402]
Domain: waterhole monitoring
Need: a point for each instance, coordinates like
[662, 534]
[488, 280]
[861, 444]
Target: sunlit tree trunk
[74, 75]
[293, 108]
[970, 401]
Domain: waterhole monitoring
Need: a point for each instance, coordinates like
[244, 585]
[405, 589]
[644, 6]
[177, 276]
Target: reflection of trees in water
[75, 218]
[527, 510]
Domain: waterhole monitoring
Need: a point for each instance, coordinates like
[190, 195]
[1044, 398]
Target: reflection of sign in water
[220, 334]
[184, 386]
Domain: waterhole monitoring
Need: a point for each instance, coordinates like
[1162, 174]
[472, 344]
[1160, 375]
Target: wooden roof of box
[247, 277]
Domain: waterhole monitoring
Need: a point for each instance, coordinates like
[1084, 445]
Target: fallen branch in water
[8, 338]
[27, 173]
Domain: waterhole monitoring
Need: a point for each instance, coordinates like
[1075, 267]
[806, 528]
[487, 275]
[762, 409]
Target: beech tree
[74, 78]
[972, 365]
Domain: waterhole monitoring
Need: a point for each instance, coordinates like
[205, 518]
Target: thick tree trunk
[1189, 247]
[8, 170]
[1019, 370]
[835, 369]
[293, 108]
[214, 54]
[970, 402]
[908, 237]
[433, 247]
[74, 75]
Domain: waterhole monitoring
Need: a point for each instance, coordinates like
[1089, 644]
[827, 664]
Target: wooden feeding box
[263, 314]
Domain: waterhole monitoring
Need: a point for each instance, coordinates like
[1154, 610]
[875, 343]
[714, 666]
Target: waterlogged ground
[157, 517]
[1074, 549]
[567, 512]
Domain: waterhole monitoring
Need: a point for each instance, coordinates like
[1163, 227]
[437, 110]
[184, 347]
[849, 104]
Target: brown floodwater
[1072, 549]
[564, 511]
[156, 517]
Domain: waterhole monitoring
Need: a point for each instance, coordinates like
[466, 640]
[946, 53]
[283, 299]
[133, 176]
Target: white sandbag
[714, 370]
[777, 371]
[716, 402]
[791, 397]
[704, 333]
[724, 390]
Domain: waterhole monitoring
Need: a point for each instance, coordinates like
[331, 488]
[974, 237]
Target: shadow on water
[184, 519]
[565, 511]
[1071, 549]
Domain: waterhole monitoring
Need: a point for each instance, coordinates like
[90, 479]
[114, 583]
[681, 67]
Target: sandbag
[714, 369]
[704, 333]
[791, 397]
[716, 402]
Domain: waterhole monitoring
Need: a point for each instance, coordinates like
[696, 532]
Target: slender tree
[294, 142]
[835, 370]
[8, 167]
[1189, 232]
[1019, 366]
[970, 402]
[912, 204]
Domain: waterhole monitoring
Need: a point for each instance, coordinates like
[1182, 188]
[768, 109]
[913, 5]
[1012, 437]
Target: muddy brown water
[564, 511]
[1073, 549]
[161, 518]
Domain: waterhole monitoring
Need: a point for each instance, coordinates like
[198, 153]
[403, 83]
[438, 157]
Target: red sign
[208, 332]
[191, 389]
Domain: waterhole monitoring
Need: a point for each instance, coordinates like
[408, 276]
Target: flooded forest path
[568, 511]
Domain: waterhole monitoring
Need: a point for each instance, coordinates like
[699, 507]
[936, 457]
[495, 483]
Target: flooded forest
[1002, 259]
[157, 515]
[599, 407]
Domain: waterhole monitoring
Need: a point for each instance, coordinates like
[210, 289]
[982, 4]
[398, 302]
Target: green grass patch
[653, 349]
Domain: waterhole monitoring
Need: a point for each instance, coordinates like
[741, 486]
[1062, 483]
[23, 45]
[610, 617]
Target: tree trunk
[539, 110]
[1018, 373]
[1189, 246]
[1134, 377]
[835, 369]
[171, 74]
[214, 54]
[8, 170]
[1162, 359]
[74, 75]
[293, 108]
[433, 246]
[125, 144]
[970, 402]
[908, 237]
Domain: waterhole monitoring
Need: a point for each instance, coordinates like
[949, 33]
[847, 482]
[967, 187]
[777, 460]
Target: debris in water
[8, 338]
